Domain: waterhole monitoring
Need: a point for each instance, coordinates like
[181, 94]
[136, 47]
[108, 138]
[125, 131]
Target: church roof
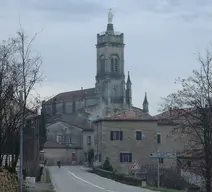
[71, 95]
[130, 114]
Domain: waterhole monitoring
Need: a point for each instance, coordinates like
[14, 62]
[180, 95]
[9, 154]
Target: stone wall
[8, 181]
[140, 149]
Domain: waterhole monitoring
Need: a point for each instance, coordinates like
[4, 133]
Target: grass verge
[162, 189]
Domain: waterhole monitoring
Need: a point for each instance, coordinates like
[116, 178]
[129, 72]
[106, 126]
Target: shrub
[8, 181]
[118, 177]
[169, 178]
[106, 165]
[90, 156]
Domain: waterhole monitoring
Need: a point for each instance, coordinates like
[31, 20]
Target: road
[75, 179]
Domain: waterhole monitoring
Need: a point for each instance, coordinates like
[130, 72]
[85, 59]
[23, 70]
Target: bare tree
[20, 70]
[193, 101]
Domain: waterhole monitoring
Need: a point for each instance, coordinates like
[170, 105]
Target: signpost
[163, 155]
[158, 155]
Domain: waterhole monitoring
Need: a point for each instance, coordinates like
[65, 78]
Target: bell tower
[110, 76]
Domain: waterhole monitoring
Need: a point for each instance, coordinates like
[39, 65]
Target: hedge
[119, 177]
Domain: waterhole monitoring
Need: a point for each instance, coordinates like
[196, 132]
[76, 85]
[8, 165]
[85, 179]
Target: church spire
[145, 104]
[128, 79]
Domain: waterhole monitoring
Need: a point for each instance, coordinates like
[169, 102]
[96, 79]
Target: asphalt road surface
[75, 179]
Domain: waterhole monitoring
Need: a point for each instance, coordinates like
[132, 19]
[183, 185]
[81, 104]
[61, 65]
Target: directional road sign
[163, 155]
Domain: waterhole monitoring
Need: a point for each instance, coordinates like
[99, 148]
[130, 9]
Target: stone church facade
[112, 92]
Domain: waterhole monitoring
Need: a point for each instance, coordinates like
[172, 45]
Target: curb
[86, 168]
[52, 180]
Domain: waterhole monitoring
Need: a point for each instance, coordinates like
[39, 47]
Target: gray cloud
[161, 39]
[188, 10]
[65, 9]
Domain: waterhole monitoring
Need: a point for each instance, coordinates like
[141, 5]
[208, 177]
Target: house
[64, 143]
[189, 167]
[131, 135]
[68, 136]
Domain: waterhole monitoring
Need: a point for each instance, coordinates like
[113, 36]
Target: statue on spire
[110, 16]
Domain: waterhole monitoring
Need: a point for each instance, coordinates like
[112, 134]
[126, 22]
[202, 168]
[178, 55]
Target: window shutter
[130, 157]
[121, 135]
[158, 138]
[111, 135]
[136, 135]
[121, 160]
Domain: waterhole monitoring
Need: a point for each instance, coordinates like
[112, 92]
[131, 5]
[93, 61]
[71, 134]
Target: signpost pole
[158, 159]
[157, 155]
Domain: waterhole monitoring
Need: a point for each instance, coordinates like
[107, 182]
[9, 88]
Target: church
[112, 91]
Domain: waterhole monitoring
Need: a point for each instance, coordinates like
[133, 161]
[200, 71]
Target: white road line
[89, 183]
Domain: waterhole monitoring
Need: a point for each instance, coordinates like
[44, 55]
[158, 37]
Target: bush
[118, 177]
[169, 178]
[8, 181]
[90, 157]
[107, 166]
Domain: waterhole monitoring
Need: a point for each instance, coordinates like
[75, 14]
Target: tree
[90, 156]
[19, 70]
[193, 101]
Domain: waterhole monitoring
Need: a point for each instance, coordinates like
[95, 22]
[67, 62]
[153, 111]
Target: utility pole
[21, 141]
[158, 171]
[158, 159]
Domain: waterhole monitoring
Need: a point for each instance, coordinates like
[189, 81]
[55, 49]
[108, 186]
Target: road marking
[90, 183]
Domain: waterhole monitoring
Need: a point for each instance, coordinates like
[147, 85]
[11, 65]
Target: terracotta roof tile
[194, 153]
[172, 113]
[70, 95]
[130, 114]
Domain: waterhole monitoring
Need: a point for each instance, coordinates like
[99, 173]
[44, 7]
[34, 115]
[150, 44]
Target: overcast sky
[161, 36]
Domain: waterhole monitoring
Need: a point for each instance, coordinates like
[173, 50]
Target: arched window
[112, 65]
[114, 61]
[116, 64]
[102, 64]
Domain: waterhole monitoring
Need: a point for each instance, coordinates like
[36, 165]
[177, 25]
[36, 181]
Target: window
[95, 139]
[161, 160]
[96, 157]
[158, 138]
[112, 65]
[59, 138]
[116, 135]
[100, 157]
[102, 64]
[114, 62]
[138, 135]
[116, 65]
[67, 139]
[126, 157]
[89, 140]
